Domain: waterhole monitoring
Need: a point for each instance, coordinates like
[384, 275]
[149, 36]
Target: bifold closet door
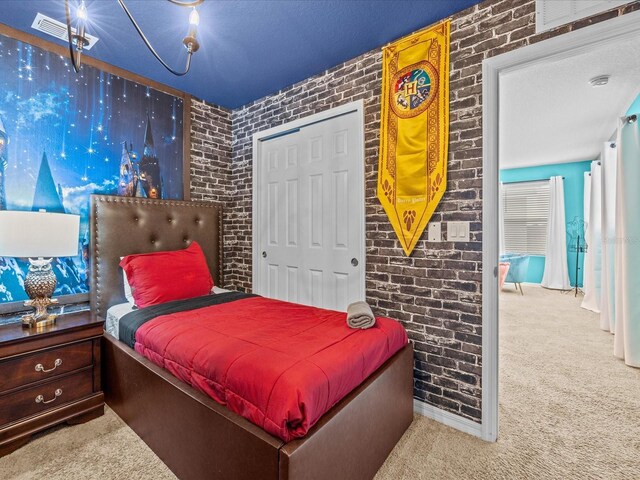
[310, 207]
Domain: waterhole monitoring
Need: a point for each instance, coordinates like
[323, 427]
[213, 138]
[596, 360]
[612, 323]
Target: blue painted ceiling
[249, 48]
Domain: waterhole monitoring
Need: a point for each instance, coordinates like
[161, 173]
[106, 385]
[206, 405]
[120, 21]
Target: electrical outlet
[457, 231]
[434, 232]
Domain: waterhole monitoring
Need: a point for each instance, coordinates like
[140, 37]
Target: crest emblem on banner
[412, 87]
[414, 131]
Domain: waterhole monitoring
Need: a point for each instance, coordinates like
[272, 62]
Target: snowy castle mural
[64, 136]
[140, 179]
[3, 164]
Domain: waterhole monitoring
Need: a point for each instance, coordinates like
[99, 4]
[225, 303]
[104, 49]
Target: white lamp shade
[38, 234]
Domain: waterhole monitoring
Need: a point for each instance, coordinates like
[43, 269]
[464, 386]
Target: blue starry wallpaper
[66, 135]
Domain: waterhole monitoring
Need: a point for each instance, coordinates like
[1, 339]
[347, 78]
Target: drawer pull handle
[40, 398]
[56, 364]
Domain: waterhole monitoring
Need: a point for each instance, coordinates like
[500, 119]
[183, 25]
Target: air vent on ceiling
[553, 13]
[57, 29]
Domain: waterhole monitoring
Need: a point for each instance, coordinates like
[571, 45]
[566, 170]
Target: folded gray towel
[359, 315]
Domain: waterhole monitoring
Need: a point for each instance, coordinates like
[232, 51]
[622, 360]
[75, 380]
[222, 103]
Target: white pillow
[127, 288]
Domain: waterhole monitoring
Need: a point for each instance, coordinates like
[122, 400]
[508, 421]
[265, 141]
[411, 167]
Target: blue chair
[518, 268]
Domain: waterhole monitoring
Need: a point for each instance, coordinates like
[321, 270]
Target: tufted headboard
[125, 225]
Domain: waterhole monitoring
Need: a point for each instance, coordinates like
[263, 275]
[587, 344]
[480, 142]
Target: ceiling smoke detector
[57, 29]
[599, 81]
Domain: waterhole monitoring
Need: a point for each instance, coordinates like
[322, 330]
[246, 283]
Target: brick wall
[210, 167]
[210, 152]
[436, 292]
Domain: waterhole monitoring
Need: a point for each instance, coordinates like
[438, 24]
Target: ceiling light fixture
[79, 40]
[599, 81]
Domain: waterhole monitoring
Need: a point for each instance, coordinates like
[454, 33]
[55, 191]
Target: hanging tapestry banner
[414, 130]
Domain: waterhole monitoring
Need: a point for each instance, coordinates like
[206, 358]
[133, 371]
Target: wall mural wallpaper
[64, 136]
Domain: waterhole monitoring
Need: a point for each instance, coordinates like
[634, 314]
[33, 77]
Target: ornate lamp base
[39, 284]
[41, 318]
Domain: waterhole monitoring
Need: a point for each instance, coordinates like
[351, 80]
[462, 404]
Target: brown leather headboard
[124, 225]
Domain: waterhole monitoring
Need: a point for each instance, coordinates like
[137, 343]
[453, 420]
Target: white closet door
[309, 187]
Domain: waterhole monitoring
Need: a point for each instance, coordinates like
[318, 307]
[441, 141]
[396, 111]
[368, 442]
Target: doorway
[494, 71]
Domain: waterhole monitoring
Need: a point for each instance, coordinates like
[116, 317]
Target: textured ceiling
[249, 49]
[550, 114]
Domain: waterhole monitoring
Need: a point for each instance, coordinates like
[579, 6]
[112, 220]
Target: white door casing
[563, 46]
[308, 209]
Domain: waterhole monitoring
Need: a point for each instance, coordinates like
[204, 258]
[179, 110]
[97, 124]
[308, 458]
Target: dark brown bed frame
[193, 435]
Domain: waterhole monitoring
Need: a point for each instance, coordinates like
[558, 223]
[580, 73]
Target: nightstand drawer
[43, 396]
[44, 364]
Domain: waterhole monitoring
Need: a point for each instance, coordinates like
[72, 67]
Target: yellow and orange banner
[414, 130]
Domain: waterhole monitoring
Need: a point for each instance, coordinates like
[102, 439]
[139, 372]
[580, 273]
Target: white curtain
[607, 299]
[501, 219]
[627, 255]
[587, 197]
[593, 258]
[586, 207]
[556, 270]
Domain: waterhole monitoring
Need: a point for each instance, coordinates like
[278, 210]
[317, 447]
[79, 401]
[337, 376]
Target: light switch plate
[434, 232]
[457, 231]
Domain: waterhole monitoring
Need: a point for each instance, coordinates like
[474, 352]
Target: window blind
[526, 213]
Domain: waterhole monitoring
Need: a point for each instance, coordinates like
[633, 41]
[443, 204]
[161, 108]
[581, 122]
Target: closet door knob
[264, 254]
[354, 262]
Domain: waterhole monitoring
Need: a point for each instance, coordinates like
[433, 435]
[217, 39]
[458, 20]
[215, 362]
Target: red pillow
[160, 277]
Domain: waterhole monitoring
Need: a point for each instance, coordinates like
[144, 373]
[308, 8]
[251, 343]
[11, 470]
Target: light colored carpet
[569, 410]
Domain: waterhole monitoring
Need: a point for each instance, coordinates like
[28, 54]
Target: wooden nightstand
[49, 376]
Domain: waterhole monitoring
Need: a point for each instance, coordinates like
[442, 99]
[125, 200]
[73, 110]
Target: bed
[194, 435]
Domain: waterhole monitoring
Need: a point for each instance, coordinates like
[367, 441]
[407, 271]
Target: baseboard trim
[449, 419]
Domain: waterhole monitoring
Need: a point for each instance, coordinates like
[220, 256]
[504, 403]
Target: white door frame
[563, 46]
[259, 137]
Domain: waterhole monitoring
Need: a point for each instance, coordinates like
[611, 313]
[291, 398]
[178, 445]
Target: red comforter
[280, 365]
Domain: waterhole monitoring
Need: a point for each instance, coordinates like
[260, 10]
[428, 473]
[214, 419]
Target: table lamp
[39, 236]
